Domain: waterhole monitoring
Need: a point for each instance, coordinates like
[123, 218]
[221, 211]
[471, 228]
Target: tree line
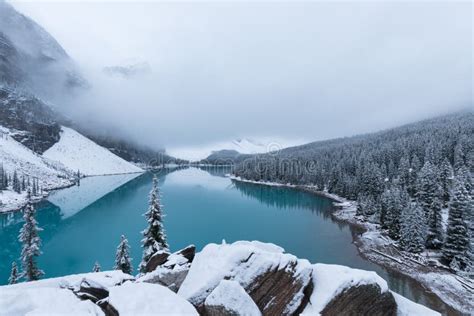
[403, 179]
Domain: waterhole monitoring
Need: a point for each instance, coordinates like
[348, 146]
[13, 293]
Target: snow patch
[148, 299]
[409, 308]
[330, 280]
[80, 153]
[230, 295]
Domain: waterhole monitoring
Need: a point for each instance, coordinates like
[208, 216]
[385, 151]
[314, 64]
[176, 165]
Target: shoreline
[377, 248]
[21, 205]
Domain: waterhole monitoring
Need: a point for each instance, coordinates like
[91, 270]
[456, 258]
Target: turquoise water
[201, 207]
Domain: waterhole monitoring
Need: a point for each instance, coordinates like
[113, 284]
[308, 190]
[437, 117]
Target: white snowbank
[148, 299]
[330, 280]
[44, 301]
[409, 308]
[73, 199]
[53, 296]
[77, 152]
[233, 298]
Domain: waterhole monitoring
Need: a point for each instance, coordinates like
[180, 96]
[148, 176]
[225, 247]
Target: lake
[83, 224]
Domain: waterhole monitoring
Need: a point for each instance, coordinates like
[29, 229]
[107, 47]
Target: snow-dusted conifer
[13, 279]
[413, 228]
[96, 267]
[123, 261]
[16, 183]
[30, 240]
[457, 235]
[154, 235]
[446, 174]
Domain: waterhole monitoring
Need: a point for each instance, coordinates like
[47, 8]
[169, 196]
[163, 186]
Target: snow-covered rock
[169, 270]
[276, 281]
[229, 298]
[148, 299]
[77, 152]
[55, 296]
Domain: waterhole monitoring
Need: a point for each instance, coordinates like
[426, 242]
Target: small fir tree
[30, 240]
[413, 229]
[13, 279]
[154, 235]
[96, 267]
[123, 261]
[457, 234]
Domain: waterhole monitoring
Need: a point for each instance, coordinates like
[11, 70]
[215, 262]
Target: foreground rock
[229, 298]
[169, 270]
[244, 278]
[276, 282]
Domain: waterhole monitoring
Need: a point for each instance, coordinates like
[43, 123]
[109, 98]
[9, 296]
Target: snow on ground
[243, 146]
[52, 296]
[80, 153]
[330, 280]
[233, 298]
[73, 199]
[148, 299]
[15, 156]
[409, 308]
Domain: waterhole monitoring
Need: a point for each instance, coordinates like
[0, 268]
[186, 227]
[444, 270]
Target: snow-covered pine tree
[404, 171]
[434, 239]
[413, 228]
[154, 235]
[31, 243]
[23, 183]
[457, 235]
[458, 157]
[16, 183]
[123, 261]
[446, 175]
[13, 279]
[96, 267]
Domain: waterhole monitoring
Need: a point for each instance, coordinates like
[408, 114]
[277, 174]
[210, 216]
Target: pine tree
[31, 243]
[434, 239]
[13, 279]
[446, 174]
[123, 261]
[457, 235]
[16, 183]
[96, 267]
[154, 235]
[413, 229]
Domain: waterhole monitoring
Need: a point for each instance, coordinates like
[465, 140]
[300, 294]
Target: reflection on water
[201, 206]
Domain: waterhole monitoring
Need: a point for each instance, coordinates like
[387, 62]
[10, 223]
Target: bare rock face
[98, 294]
[156, 260]
[278, 283]
[230, 299]
[170, 270]
[362, 300]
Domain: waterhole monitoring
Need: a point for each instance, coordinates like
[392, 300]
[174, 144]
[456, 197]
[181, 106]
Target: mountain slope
[16, 157]
[80, 153]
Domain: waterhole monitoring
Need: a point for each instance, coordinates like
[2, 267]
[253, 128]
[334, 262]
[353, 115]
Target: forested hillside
[403, 178]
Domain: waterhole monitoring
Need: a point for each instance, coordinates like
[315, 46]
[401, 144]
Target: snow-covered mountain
[241, 145]
[32, 60]
[77, 152]
[16, 157]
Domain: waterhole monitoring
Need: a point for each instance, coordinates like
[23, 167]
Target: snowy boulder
[91, 290]
[230, 299]
[156, 260]
[148, 299]
[340, 290]
[172, 269]
[277, 282]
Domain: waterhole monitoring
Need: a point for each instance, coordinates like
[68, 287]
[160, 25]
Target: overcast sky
[293, 70]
